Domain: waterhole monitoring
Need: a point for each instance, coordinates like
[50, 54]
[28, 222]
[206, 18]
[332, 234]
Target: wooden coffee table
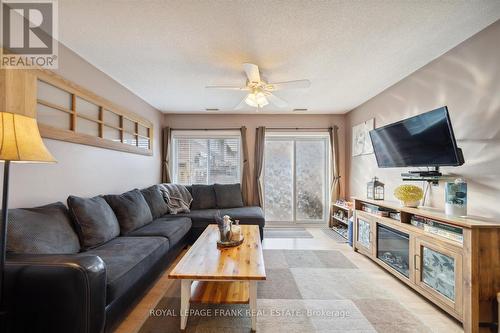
[221, 276]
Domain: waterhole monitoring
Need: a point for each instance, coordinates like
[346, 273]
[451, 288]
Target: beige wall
[467, 79]
[251, 121]
[84, 170]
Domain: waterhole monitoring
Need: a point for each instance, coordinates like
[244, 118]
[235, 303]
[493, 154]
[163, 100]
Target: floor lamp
[20, 141]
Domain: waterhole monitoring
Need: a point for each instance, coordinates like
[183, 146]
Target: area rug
[287, 233]
[305, 291]
[333, 235]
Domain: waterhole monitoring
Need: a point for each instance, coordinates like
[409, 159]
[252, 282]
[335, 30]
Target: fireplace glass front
[393, 248]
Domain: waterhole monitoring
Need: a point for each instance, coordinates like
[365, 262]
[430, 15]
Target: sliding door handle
[416, 262]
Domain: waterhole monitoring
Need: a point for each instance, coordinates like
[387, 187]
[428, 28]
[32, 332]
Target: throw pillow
[203, 197]
[156, 203]
[228, 196]
[94, 220]
[41, 230]
[131, 210]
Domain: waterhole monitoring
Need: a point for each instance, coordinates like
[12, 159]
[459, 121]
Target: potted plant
[409, 195]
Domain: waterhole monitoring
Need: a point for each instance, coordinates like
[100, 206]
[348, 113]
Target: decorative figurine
[456, 198]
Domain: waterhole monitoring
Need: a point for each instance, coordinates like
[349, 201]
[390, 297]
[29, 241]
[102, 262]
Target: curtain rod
[207, 129]
[238, 128]
[298, 128]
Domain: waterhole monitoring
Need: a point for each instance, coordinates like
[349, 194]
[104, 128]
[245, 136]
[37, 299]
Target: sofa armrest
[55, 293]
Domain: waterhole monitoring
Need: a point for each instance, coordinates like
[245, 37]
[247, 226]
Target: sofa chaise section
[227, 199]
[201, 218]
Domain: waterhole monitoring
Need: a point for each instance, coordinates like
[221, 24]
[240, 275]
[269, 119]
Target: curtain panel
[165, 159]
[245, 176]
[260, 137]
[334, 162]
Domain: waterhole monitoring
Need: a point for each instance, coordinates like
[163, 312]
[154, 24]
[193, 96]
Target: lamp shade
[20, 140]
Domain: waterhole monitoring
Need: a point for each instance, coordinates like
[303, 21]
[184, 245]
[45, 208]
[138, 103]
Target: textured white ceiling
[167, 51]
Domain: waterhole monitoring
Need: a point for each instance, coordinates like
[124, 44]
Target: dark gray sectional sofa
[81, 268]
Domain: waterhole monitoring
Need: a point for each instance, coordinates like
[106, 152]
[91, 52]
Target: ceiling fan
[260, 93]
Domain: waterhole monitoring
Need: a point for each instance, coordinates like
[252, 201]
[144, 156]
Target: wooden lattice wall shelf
[68, 112]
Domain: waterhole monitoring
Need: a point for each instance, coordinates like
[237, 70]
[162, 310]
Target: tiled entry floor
[314, 285]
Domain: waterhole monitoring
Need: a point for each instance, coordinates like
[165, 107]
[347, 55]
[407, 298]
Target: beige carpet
[306, 291]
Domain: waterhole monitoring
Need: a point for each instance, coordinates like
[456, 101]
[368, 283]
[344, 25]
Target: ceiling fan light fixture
[261, 99]
[250, 100]
[256, 100]
[260, 92]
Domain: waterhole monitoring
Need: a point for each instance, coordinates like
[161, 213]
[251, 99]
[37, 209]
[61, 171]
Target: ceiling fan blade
[296, 84]
[227, 88]
[241, 105]
[252, 72]
[281, 103]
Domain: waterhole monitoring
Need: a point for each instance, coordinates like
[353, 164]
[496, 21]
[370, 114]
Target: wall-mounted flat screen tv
[426, 140]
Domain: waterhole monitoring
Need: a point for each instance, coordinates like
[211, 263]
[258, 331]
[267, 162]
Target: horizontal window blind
[207, 159]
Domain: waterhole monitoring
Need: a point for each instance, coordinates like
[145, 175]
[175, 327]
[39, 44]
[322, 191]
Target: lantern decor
[375, 189]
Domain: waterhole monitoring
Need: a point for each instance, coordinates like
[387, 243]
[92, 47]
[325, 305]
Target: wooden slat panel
[54, 106]
[204, 261]
[101, 122]
[215, 292]
[73, 110]
[60, 82]
[85, 96]
[70, 136]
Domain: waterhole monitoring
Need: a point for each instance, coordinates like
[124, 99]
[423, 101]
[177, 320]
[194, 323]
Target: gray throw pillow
[131, 209]
[228, 196]
[41, 230]
[203, 197]
[156, 203]
[94, 220]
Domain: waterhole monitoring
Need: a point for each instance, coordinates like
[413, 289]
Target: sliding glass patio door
[295, 178]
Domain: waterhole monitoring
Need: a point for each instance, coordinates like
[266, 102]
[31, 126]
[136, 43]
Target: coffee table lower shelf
[220, 292]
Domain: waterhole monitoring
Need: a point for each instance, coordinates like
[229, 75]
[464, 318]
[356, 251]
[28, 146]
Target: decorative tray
[232, 243]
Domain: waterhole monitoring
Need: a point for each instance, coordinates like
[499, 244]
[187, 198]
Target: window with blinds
[206, 158]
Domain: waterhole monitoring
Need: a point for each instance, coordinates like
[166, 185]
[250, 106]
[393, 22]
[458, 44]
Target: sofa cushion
[228, 195]
[41, 230]
[131, 210]
[127, 260]
[94, 220]
[203, 197]
[201, 217]
[246, 215]
[174, 228]
[156, 203]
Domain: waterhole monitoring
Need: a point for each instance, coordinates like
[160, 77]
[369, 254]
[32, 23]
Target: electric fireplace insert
[393, 248]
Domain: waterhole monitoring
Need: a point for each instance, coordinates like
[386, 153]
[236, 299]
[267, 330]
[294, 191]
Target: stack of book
[438, 228]
[376, 210]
